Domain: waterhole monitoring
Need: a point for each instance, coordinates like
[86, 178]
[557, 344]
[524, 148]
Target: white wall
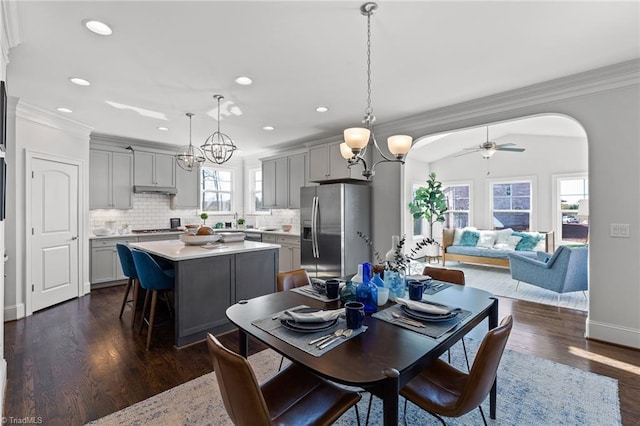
[543, 157]
[40, 131]
[606, 103]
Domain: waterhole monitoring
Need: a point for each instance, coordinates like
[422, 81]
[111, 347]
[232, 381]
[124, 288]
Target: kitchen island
[209, 279]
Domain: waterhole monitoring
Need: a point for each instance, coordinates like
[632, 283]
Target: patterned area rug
[531, 391]
[498, 281]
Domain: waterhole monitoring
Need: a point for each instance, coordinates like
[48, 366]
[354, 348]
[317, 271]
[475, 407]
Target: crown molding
[599, 80]
[50, 119]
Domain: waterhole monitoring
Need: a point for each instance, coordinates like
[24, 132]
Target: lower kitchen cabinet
[289, 256]
[105, 263]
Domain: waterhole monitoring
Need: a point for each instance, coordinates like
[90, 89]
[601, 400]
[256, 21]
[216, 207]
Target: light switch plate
[619, 230]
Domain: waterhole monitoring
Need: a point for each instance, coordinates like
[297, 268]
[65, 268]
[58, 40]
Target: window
[458, 198]
[575, 224]
[511, 203]
[216, 192]
[255, 183]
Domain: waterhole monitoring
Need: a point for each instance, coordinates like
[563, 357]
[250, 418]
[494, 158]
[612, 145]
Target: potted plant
[241, 223]
[204, 217]
[430, 203]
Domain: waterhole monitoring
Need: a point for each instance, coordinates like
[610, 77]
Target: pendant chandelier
[356, 139]
[218, 147]
[189, 157]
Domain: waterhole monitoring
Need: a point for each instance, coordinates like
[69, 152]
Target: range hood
[143, 189]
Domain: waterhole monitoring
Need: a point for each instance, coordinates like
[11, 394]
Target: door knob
[74, 238]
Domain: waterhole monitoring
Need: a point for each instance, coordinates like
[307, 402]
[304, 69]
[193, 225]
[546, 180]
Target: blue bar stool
[129, 270]
[154, 279]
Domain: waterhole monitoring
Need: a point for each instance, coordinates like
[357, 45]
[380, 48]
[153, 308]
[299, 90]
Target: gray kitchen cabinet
[105, 263]
[327, 164]
[110, 180]
[154, 169]
[163, 237]
[289, 254]
[188, 187]
[281, 181]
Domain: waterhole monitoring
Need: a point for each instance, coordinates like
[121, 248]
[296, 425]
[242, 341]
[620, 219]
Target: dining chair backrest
[239, 386]
[454, 276]
[150, 274]
[292, 279]
[126, 261]
[485, 366]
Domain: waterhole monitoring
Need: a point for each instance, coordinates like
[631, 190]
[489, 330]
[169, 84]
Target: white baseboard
[14, 312]
[86, 288]
[613, 334]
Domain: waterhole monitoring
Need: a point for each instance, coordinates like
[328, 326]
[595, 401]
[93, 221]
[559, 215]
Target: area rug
[531, 391]
[498, 281]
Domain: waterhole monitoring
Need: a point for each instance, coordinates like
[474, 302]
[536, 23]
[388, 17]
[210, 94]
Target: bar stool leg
[126, 296]
[152, 315]
[144, 309]
[136, 291]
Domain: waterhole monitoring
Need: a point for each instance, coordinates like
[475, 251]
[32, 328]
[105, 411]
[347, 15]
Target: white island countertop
[176, 250]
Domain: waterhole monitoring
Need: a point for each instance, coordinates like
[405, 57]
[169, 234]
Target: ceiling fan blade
[510, 149]
[505, 144]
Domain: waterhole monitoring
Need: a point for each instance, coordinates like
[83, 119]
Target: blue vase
[367, 294]
[395, 282]
[377, 280]
[348, 293]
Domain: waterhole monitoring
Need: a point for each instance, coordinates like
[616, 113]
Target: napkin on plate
[426, 307]
[319, 316]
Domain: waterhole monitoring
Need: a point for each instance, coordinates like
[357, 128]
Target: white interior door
[54, 232]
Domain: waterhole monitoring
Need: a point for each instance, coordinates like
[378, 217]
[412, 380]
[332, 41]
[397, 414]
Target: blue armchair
[563, 272]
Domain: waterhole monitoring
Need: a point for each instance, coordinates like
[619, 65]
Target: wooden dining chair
[443, 390]
[292, 279]
[291, 397]
[288, 280]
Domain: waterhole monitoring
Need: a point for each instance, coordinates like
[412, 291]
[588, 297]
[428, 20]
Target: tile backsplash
[153, 211]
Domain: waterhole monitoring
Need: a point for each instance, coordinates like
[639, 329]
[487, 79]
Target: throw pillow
[469, 238]
[511, 243]
[502, 235]
[528, 242]
[457, 234]
[487, 239]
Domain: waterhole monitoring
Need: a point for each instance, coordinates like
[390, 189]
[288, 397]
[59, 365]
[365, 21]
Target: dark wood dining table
[382, 359]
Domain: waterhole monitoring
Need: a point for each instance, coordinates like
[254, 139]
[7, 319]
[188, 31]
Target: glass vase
[395, 282]
[367, 294]
[348, 293]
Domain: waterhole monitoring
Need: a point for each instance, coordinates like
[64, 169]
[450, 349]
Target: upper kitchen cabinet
[154, 169]
[326, 164]
[281, 181]
[110, 180]
[188, 187]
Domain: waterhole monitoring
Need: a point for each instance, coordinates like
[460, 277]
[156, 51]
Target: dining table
[380, 360]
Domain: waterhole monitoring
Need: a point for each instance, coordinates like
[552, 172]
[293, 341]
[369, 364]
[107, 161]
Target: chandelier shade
[218, 147]
[189, 157]
[356, 139]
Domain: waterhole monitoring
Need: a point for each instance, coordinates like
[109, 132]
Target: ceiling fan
[489, 148]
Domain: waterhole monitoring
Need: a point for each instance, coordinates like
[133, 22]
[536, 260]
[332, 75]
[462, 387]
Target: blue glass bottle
[348, 293]
[367, 292]
[377, 280]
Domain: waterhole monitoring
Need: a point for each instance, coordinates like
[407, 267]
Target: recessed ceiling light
[164, 129]
[79, 81]
[322, 109]
[243, 81]
[98, 27]
[269, 128]
[67, 110]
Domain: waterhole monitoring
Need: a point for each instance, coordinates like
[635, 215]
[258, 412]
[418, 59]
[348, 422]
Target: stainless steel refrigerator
[330, 217]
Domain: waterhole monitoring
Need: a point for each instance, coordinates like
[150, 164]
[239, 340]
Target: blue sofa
[563, 272]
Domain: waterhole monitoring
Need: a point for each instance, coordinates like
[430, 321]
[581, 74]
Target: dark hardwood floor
[77, 361]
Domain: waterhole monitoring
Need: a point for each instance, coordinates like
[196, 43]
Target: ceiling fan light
[357, 137]
[345, 151]
[399, 145]
[488, 153]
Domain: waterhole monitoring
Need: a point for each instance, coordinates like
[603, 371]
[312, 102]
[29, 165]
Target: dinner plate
[307, 327]
[425, 316]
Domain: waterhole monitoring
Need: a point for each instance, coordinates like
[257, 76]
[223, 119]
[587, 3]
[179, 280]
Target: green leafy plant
[430, 202]
[241, 221]
[400, 260]
[204, 217]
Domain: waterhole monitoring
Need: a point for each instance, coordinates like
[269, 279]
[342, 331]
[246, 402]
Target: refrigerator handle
[314, 227]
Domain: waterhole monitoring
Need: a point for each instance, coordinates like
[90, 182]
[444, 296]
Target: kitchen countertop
[293, 232]
[176, 250]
